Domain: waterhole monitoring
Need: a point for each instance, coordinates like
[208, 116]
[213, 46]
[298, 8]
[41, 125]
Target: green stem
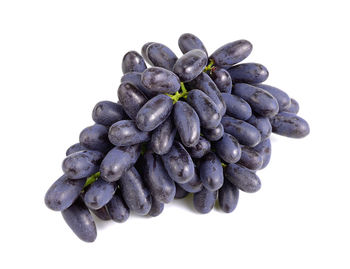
[223, 165]
[92, 179]
[210, 66]
[183, 94]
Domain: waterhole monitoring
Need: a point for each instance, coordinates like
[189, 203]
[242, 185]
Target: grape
[228, 197]
[194, 185]
[180, 192]
[262, 124]
[135, 193]
[199, 150]
[99, 194]
[160, 80]
[63, 192]
[135, 79]
[237, 107]
[82, 164]
[204, 200]
[80, 220]
[250, 158]
[228, 148]
[160, 55]
[222, 79]
[260, 100]
[294, 107]
[242, 178]
[101, 213]
[214, 134]
[251, 73]
[144, 51]
[156, 209]
[244, 132]
[232, 53]
[282, 98]
[75, 148]
[290, 125]
[95, 137]
[264, 149]
[117, 208]
[178, 163]
[107, 113]
[206, 109]
[189, 42]
[131, 98]
[161, 186]
[163, 137]
[125, 133]
[211, 172]
[117, 161]
[187, 123]
[133, 62]
[154, 113]
[190, 65]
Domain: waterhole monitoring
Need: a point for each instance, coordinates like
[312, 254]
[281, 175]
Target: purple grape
[211, 172]
[163, 137]
[250, 158]
[199, 150]
[222, 79]
[160, 80]
[237, 107]
[242, 178]
[133, 62]
[290, 125]
[107, 113]
[264, 149]
[204, 200]
[228, 197]
[117, 208]
[189, 42]
[160, 55]
[214, 134]
[95, 137]
[99, 194]
[190, 65]
[228, 148]
[251, 73]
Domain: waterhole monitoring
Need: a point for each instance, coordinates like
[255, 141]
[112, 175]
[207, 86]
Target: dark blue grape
[133, 62]
[199, 150]
[194, 185]
[262, 102]
[244, 132]
[228, 148]
[99, 194]
[282, 98]
[190, 65]
[80, 220]
[264, 149]
[163, 137]
[180, 192]
[251, 73]
[107, 113]
[290, 125]
[237, 107]
[63, 192]
[154, 113]
[204, 200]
[250, 158]
[135, 193]
[101, 213]
[214, 134]
[144, 51]
[82, 164]
[135, 79]
[262, 124]
[187, 123]
[117, 161]
[160, 80]
[95, 137]
[156, 209]
[222, 79]
[242, 178]
[75, 148]
[294, 107]
[189, 42]
[117, 208]
[232, 53]
[211, 172]
[178, 163]
[228, 197]
[160, 55]
[125, 133]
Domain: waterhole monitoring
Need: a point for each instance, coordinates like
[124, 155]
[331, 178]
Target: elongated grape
[75, 148]
[133, 62]
[189, 42]
[282, 98]
[211, 172]
[206, 109]
[99, 194]
[160, 55]
[156, 209]
[250, 158]
[144, 51]
[199, 150]
[95, 137]
[118, 161]
[214, 134]
[190, 65]
[228, 148]
[125, 133]
[161, 186]
[160, 80]
[180, 192]
[131, 98]
[194, 185]
[82, 164]
[63, 192]
[204, 200]
[117, 208]
[135, 79]
[154, 113]
[290, 125]
[245, 133]
[264, 149]
[232, 53]
[178, 163]
[262, 102]
[237, 107]
[187, 123]
[163, 137]
[262, 124]
[242, 178]
[222, 79]
[135, 193]
[228, 197]
[107, 113]
[251, 73]
[294, 107]
[80, 220]
[101, 213]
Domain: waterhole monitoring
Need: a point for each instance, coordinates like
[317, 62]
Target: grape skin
[160, 80]
[204, 200]
[163, 137]
[99, 194]
[194, 185]
[264, 149]
[189, 42]
[294, 107]
[282, 98]
[135, 79]
[262, 124]
[228, 149]
[199, 150]
[290, 125]
[107, 113]
[133, 62]
[161, 56]
[180, 192]
[117, 208]
[101, 213]
[214, 134]
[75, 148]
[242, 178]
[251, 73]
[237, 107]
[144, 51]
[211, 172]
[250, 158]
[95, 137]
[222, 79]
[156, 209]
[228, 197]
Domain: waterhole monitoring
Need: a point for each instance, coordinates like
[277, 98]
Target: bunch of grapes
[196, 124]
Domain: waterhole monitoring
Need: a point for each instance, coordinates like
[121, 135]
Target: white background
[58, 58]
